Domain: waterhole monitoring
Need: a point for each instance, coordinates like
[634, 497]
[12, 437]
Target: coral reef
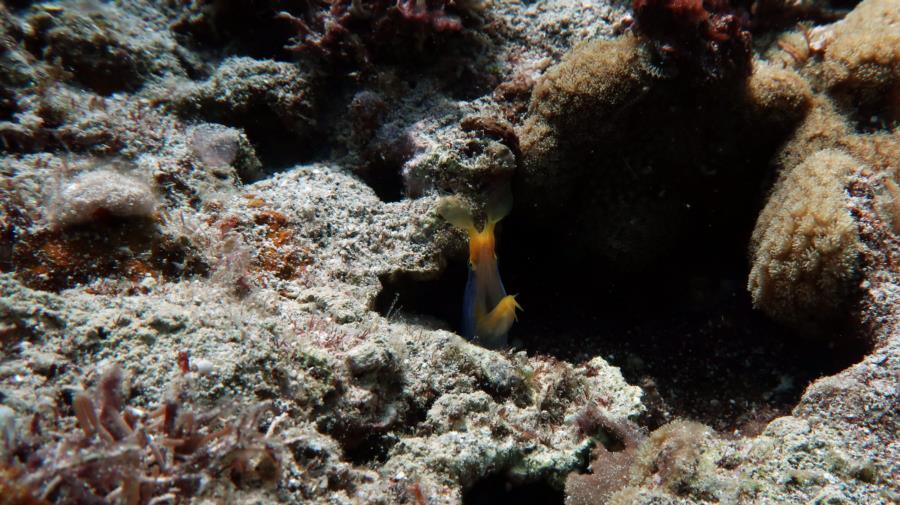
[608, 97]
[225, 278]
[805, 248]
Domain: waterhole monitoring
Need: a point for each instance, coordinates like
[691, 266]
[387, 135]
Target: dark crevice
[434, 302]
[872, 115]
[683, 329]
[386, 181]
[242, 28]
[498, 489]
[8, 103]
[370, 445]
[372, 449]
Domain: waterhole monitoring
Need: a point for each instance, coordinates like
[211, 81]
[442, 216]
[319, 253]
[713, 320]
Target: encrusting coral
[858, 61]
[805, 248]
[592, 115]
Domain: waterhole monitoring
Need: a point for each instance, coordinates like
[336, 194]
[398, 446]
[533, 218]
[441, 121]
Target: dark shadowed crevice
[371, 445]
[435, 303]
[497, 489]
[843, 4]
[243, 28]
[385, 177]
[8, 104]
[684, 330]
[276, 145]
[372, 449]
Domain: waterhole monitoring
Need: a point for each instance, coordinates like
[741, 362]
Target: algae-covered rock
[206, 209]
[103, 47]
[275, 103]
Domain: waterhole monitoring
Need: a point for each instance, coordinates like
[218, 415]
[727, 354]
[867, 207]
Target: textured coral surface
[224, 279]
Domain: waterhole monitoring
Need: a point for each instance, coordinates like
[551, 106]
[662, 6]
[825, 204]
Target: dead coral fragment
[101, 193]
[679, 458]
[673, 453]
[611, 460]
[805, 246]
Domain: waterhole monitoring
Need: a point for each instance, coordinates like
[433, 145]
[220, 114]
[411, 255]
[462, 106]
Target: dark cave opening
[387, 184]
[689, 337]
[683, 329]
[498, 489]
[632, 244]
[434, 303]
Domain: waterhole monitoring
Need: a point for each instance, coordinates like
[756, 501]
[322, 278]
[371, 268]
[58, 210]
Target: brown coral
[675, 456]
[805, 246]
[678, 457]
[860, 64]
[778, 94]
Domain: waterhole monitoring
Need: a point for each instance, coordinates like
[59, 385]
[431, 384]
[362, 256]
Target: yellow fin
[499, 204]
[498, 321]
[455, 211]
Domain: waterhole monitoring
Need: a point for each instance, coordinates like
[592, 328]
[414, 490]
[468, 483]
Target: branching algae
[488, 312]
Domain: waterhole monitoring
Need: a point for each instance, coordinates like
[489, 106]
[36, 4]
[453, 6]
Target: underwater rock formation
[223, 273]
